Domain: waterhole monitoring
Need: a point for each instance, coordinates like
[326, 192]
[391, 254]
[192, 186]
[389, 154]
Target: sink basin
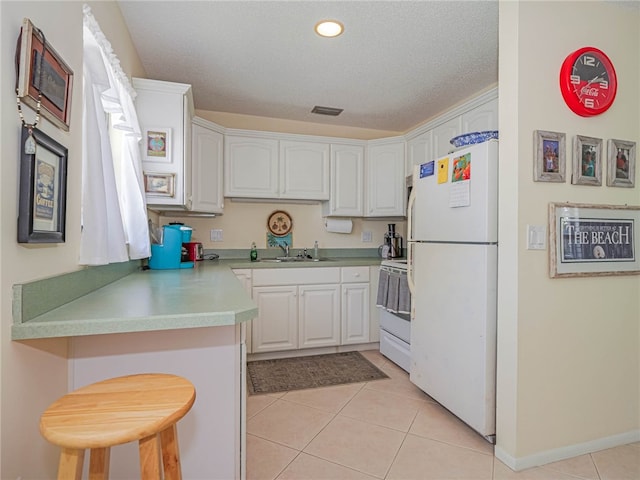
[293, 259]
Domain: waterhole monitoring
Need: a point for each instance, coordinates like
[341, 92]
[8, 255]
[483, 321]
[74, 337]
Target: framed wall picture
[587, 161]
[591, 240]
[42, 70]
[621, 163]
[158, 145]
[160, 184]
[549, 153]
[43, 191]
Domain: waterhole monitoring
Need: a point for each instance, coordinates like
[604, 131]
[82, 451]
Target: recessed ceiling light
[329, 28]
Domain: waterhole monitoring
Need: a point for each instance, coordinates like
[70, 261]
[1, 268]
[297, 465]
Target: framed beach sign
[591, 240]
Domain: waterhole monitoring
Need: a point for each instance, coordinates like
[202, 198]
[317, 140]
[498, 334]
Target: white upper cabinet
[347, 182]
[207, 152]
[419, 150]
[165, 111]
[442, 135]
[261, 167]
[481, 118]
[250, 167]
[385, 185]
[304, 170]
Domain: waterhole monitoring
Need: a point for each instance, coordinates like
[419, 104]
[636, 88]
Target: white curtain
[114, 218]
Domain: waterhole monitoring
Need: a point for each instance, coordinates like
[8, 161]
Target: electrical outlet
[366, 236]
[216, 235]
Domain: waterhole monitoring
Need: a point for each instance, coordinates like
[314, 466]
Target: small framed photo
[621, 167]
[158, 145]
[160, 184]
[587, 161]
[43, 190]
[549, 151]
[42, 70]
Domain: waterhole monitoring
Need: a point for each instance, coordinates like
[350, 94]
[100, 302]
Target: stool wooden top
[117, 410]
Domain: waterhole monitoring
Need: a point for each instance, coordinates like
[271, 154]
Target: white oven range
[394, 302]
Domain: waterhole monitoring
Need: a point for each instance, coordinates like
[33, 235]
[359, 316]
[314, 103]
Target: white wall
[568, 349]
[34, 373]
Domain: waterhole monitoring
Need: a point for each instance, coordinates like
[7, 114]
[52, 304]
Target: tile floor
[389, 429]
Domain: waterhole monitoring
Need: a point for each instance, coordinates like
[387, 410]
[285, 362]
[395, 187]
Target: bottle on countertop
[315, 250]
[254, 253]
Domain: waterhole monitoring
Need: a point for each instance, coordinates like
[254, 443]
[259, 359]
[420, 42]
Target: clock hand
[598, 79]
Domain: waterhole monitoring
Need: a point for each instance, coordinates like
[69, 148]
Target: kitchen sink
[293, 259]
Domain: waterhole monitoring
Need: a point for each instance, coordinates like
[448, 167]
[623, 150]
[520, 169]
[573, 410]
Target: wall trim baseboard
[562, 453]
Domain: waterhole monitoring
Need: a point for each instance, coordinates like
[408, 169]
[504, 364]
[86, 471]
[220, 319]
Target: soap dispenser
[254, 253]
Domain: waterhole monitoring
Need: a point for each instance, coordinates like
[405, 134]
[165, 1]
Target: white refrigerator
[452, 257]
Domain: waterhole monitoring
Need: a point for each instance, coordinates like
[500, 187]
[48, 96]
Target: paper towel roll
[339, 225]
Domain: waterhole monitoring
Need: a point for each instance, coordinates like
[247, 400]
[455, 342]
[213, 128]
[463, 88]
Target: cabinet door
[319, 315]
[276, 327]
[244, 275]
[304, 170]
[347, 181]
[164, 108]
[355, 313]
[385, 180]
[250, 167]
[442, 135]
[206, 151]
[482, 118]
[419, 151]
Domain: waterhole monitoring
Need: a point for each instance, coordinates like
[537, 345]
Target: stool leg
[150, 458]
[171, 453]
[99, 463]
[71, 462]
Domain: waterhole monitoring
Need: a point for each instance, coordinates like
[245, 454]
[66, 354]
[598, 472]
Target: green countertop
[206, 296]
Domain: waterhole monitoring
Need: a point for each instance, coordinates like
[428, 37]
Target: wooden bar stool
[143, 407]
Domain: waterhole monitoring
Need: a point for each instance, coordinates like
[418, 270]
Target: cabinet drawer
[295, 276]
[354, 274]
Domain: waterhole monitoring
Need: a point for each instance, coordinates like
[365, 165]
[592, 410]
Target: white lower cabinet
[276, 327]
[355, 305]
[318, 316]
[310, 308]
[244, 275]
[355, 313]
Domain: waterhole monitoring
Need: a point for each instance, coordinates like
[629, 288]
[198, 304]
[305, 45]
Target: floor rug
[284, 374]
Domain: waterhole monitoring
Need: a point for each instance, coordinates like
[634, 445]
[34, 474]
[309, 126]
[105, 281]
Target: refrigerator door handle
[410, 206]
[410, 282]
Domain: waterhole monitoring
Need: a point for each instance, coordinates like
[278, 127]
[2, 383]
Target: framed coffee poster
[591, 240]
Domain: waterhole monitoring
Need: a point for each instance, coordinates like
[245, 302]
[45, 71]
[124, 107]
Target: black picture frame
[43, 190]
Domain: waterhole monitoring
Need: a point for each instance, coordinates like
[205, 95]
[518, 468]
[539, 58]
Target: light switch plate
[366, 237]
[216, 235]
[536, 237]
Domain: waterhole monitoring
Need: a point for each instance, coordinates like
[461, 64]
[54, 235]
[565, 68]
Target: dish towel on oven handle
[393, 292]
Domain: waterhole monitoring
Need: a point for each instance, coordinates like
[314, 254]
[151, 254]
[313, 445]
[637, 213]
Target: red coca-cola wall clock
[588, 82]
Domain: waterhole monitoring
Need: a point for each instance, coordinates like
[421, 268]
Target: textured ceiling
[397, 64]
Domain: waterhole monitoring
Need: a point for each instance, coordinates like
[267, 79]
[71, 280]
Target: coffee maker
[393, 242]
[168, 254]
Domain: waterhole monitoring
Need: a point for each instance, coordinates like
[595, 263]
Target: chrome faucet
[285, 248]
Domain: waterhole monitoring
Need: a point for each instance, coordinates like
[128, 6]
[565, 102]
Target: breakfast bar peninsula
[121, 320]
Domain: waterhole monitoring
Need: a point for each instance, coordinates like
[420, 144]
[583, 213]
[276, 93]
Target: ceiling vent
[334, 112]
